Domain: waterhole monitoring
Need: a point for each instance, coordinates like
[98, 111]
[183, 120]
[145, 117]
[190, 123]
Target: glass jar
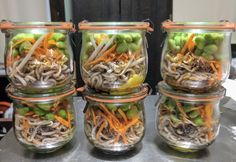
[196, 56]
[115, 124]
[113, 57]
[188, 122]
[43, 123]
[38, 55]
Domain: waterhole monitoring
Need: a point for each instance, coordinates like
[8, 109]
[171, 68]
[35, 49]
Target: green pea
[23, 111]
[198, 121]
[25, 46]
[128, 38]
[171, 44]
[193, 114]
[45, 106]
[50, 116]
[39, 111]
[133, 47]
[177, 40]
[125, 107]
[61, 45]
[112, 107]
[136, 37]
[122, 47]
[132, 113]
[62, 113]
[58, 37]
[15, 52]
[200, 42]
[210, 49]
[174, 119]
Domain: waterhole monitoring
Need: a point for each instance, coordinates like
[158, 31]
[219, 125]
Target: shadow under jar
[115, 124]
[113, 57]
[188, 122]
[38, 55]
[196, 56]
[43, 123]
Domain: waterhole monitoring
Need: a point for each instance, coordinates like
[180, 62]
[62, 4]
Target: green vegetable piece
[218, 38]
[207, 56]
[187, 107]
[193, 114]
[198, 52]
[170, 105]
[200, 42]
[208, 38]
[136, 37]
[62, 113]
[128, 38]
[58, 37]
[122, 47]
[177, 48]
[125, 107]
[87, 36]
[133, 47]
[198, 121]
[23, 111]
[132, 113]
[84, 57]
[39, 111]
[112, 107]
[174, 119]
[25, 46]
[210, 49]
[29, 35]
[177, 40]
[45, 106]
[36, 36]
[171, 44]
[18, 37]
[15, 52]
[120, 38]
[50, 116]
[89, 48]
[61, 45]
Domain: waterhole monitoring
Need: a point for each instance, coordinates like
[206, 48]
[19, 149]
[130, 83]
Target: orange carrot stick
[183, 50]
[69, 118]
[62, 121]
[94, 118]
[208, 119]
[100, 130]
[123, 115]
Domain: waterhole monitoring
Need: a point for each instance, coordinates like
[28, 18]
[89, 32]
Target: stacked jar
[113, 65]
[195, 62]
[39, 66]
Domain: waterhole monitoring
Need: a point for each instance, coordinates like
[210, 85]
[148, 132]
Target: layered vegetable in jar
[113, 57]
[188, 122]
[115, 124]
[38, 56]
[196, 56]
[43, 123]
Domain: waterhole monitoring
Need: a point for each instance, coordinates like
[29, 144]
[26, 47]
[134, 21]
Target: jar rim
[167, 90]
[85, 25]
[168, 25]
[18, 95]
[140, 94]
[4, 25]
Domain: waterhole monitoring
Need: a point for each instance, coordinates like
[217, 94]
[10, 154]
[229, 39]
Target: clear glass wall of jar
[43, 123]
[113, 57]
[188, 122]
[196, 56]
[115, 124]
[38, 55]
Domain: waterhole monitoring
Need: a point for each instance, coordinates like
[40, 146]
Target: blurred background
[154, 11]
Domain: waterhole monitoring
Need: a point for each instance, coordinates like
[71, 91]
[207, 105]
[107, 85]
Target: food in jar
[114, 127]
[43, 125]
[194, 62]
[38, 60]
[113, 61]
[188, 124]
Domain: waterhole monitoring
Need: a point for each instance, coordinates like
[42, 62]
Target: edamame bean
[62, 113]
[45, 106]
[61, 45]
[132, 113]
[112, 107]
[50, 116]
[122, 47]
[198, 121]
[133, 47]
[210, 49]
[200, 42]
[194, 114]
[25, 46]
[23, 111]
[58, 37]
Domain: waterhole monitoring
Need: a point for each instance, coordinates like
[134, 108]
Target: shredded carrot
[94, 118]
[104, 108]
[100, 130]
[69, 118]
[62, 121]
[45, 41]
[185, 47]
[123, 115]
[208, 119]
[22, 40]
[191, 46]
[130, 124]
[103, 57]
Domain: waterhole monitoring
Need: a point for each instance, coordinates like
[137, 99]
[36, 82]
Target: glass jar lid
[170, 25]
[84, 25]
[14, 93]
[4, 25]
[139, 94]
[165, 89]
